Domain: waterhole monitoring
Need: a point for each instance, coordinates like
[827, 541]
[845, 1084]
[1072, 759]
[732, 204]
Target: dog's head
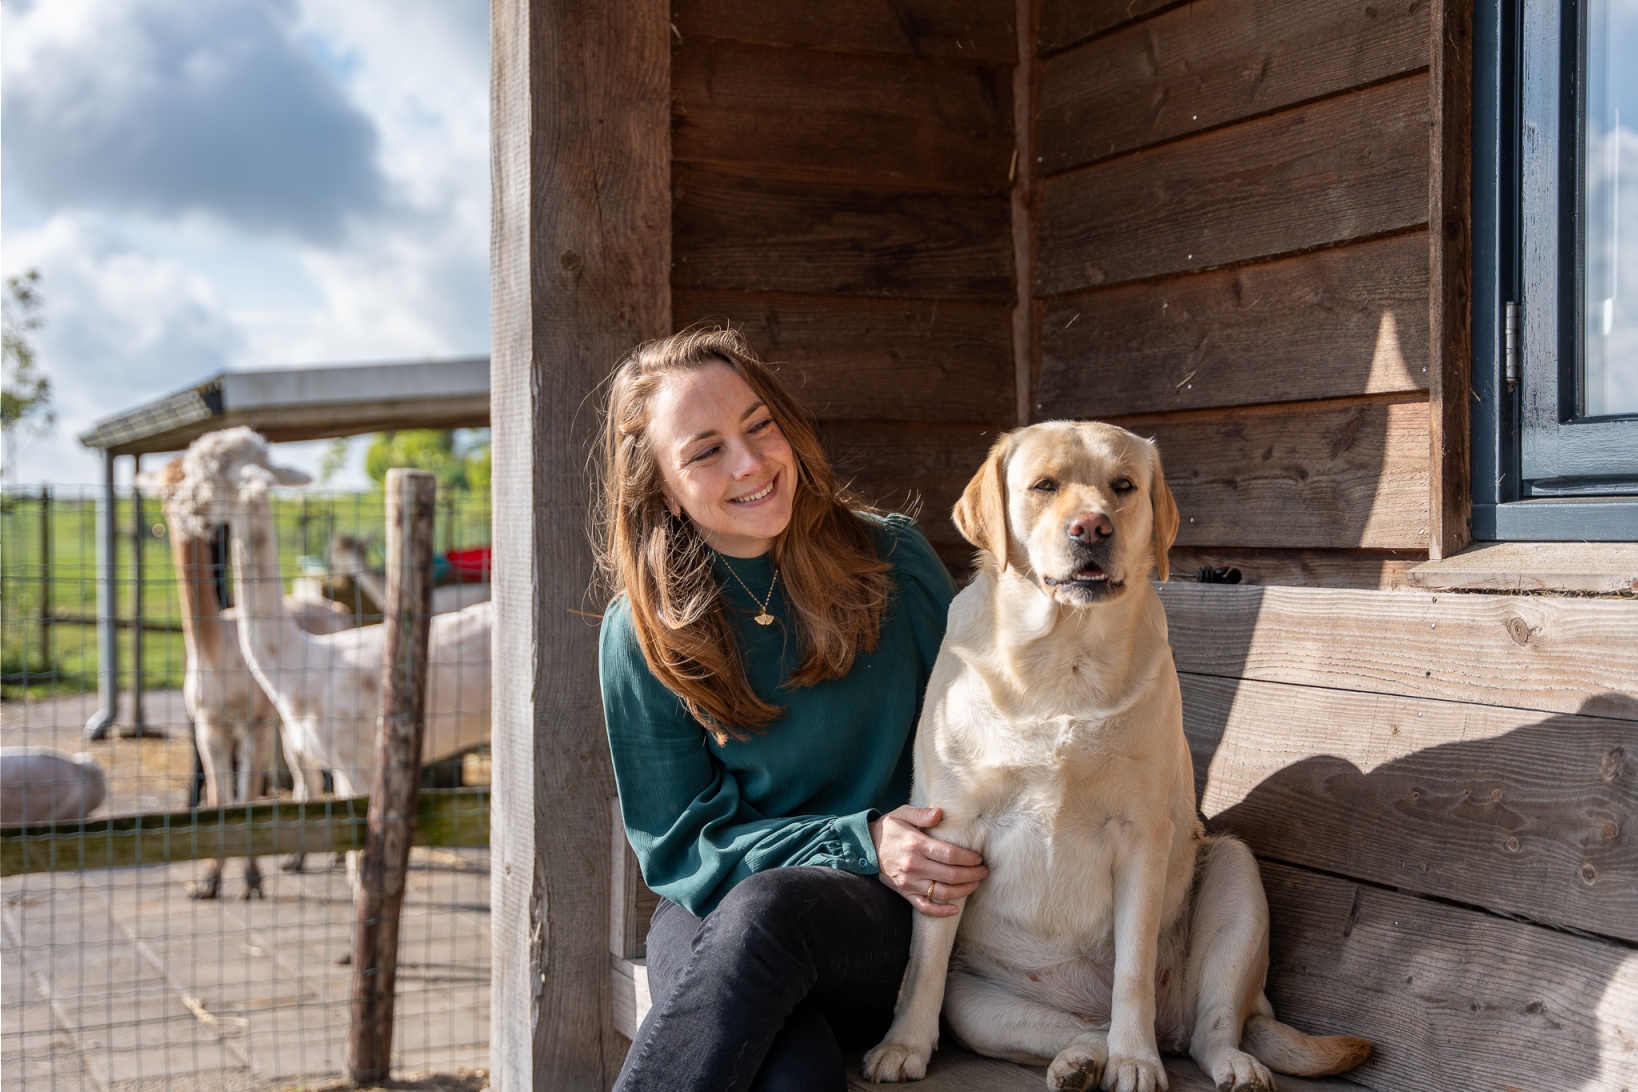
[1080, 507]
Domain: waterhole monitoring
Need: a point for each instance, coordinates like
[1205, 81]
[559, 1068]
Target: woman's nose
[748, 461]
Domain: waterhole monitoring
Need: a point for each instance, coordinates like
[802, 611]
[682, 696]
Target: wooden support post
[411, 495]
[138, 538]
[581, 272]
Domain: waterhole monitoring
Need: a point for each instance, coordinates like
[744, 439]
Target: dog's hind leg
[991, 1019]
[1228, 961]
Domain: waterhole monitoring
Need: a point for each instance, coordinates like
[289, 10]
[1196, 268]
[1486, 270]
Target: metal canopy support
[107, 605]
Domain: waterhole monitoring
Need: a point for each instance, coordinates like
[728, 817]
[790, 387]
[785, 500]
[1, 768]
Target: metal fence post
[107, 607]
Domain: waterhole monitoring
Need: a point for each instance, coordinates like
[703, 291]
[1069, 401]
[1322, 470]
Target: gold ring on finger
[930, 885]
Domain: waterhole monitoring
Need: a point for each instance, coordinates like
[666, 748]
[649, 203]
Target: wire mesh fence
[158, 927]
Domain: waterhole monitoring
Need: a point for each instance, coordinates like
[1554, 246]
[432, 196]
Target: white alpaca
[349, 556]
[327, 687]
[234, 722]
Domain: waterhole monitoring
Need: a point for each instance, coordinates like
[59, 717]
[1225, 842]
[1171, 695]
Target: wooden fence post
[411, 495]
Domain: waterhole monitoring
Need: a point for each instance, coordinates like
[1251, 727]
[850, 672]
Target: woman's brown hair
[834, 582]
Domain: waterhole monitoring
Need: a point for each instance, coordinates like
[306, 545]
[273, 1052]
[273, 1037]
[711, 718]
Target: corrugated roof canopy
[305, 404]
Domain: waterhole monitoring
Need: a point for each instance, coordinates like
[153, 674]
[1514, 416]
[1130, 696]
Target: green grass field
[58, 576]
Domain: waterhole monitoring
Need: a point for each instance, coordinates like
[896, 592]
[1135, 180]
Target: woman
[762, 662]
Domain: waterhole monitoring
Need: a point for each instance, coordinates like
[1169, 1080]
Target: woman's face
[723, 461]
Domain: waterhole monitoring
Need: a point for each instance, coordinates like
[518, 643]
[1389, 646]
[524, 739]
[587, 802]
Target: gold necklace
[763, 619]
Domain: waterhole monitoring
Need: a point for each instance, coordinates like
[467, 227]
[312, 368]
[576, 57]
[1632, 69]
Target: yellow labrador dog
[1110, 927]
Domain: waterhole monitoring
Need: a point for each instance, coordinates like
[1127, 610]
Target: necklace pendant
[764, 619]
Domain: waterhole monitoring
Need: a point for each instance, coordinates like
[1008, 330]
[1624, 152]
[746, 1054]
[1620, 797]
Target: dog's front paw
[1078, 1067]
[1240, 1072]
[894, 1062]
[1134, 1075]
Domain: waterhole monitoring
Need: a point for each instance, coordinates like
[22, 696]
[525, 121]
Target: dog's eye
[1045, 485]
[1123, 485]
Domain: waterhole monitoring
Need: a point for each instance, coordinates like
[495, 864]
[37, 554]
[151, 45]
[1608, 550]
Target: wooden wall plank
[1524, 652]
[945, 124]
[746, 233]
[1300, 568]
[922, 468]
[849, 358]
[1345, 321]
[1066, 22]
[1450, 261]
[1517, 811]
[969, 30]
[1331, 474]
[580, 272]
[1346, 168]
[1451, 997]
[1203, 65]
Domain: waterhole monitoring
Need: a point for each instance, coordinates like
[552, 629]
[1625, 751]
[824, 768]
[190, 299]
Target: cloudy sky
[239, 183]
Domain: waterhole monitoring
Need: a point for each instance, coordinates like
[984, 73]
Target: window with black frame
[1555, 210]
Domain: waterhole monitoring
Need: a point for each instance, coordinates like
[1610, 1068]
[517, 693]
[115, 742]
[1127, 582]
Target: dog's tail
[1284, 1049]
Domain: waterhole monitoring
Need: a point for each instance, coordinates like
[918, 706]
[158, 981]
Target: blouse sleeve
[692, 833]
[925, 588]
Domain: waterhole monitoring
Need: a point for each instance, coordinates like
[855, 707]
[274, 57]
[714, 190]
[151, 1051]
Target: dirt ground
[116, 980]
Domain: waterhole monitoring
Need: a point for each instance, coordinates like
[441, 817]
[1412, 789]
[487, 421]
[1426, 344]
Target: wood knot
[568, 261]
[1512, 845]
[1588, 873]
[1613, 764]
[1519, 630]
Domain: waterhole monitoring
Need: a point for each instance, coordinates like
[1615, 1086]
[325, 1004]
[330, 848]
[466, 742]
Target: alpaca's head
[216, 477]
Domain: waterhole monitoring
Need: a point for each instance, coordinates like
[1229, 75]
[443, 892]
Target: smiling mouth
[1088, 577]
[758, 495]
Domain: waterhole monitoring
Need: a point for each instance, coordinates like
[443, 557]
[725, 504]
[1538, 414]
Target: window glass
[1609, 353]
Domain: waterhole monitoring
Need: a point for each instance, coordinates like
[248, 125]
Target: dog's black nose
[1090, 527]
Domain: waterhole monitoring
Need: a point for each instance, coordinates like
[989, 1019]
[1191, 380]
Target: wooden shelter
[1244, 227]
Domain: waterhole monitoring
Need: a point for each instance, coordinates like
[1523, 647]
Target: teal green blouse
[702, 816]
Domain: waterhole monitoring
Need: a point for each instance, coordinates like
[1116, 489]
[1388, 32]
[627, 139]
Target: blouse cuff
[853, 850]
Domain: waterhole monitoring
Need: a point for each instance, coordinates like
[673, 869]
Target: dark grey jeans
[763, 993]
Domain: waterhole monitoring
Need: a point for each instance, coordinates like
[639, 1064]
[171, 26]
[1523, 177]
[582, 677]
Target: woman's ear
[1166, 519]
[981, 513]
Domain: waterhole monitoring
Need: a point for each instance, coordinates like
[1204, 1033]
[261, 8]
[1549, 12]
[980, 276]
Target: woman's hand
[930, 873]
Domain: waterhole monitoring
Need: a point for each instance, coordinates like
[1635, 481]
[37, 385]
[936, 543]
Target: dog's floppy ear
[1166, 518]
[981, 513]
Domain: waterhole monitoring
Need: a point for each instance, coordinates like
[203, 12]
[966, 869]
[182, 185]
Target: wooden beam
[383, 867]
[1523, 652]
[1345, 321]
[580, 271]
[1201, 66]
[966, 30]
[848, 358]
[444, 817]
[1514, 810]
[1375, 569]
[755, 233]
[1450, 264]
[1591, 568]
[1026, 200]
[1339, 474]
[939, 124]
[1066, 22]
[1345, 168]
[1453, 998]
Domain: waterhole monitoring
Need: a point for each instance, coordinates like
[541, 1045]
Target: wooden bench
[1442, 792]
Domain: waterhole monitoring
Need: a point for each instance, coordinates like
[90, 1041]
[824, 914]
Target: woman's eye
[762, 425]
[1123, 485]
[1045, 485]
[703, 453]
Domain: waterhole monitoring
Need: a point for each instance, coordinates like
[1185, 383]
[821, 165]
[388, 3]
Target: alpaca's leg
[307, 783]
[216, 756]
[247, 778]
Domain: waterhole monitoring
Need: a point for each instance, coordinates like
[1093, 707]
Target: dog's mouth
[1087, 584]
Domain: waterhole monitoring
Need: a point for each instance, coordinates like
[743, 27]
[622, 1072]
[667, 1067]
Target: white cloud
[150, 286]
[169, 107]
